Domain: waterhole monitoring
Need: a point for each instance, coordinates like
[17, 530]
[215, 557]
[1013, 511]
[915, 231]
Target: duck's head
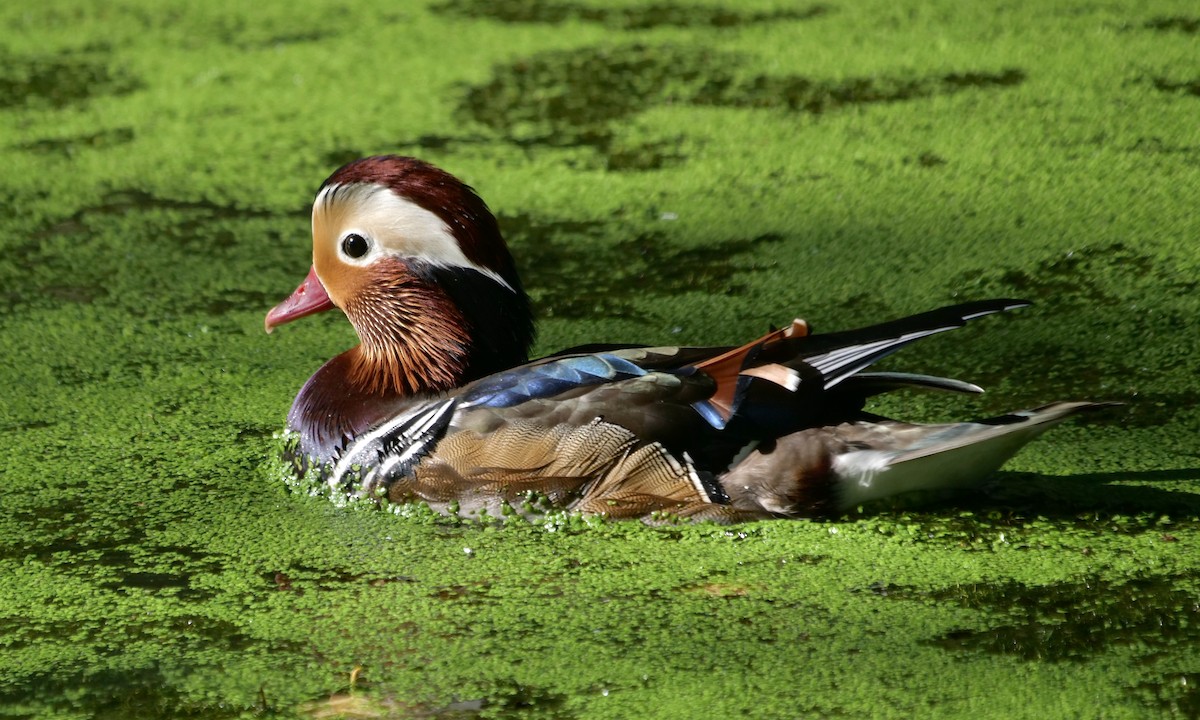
[415, 260]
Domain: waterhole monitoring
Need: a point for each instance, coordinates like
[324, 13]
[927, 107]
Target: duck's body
[438, 403]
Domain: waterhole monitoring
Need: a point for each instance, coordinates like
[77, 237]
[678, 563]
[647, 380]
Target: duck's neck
[414, 339]
[420, 336]
[331, 409]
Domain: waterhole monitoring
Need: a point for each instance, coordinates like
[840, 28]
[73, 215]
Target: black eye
[355, 245]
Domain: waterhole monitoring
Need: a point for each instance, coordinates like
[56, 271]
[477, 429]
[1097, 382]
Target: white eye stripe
[393, 226]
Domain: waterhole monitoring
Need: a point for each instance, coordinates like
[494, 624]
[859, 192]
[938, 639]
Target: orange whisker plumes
[414, 339]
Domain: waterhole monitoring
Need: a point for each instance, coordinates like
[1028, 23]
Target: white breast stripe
[411, 427]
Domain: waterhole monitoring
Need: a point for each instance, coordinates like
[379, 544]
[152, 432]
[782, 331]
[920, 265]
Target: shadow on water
[1104, 503]
[574, 98]
[121, 202]
[1078, 620]
[1071, 620]
[570, 98]
[1176, 693]
[1085, 284]
[560, 262]
[1087, 276]
[69, 146]
[133, 694]
[1104, 493]
[1174, 23]
[147, 692]
[193, 227]
[1179, 24]
[60, 80]
[303, 578]
[1187, 87]
[626, 18]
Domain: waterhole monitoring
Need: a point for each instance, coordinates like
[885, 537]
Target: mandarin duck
[440, 404]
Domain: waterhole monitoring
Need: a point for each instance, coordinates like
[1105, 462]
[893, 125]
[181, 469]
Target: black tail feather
[840, 355]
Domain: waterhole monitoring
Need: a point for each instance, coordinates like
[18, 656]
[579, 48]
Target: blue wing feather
[513, 387]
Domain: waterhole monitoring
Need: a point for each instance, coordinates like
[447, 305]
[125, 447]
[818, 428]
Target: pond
[667, 172]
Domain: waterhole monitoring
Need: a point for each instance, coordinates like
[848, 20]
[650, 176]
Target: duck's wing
[603, 433]
[586, 433]
[529, 468]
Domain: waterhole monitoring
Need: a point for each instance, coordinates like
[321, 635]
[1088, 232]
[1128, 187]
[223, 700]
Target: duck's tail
[794, 360]
[834, 469]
